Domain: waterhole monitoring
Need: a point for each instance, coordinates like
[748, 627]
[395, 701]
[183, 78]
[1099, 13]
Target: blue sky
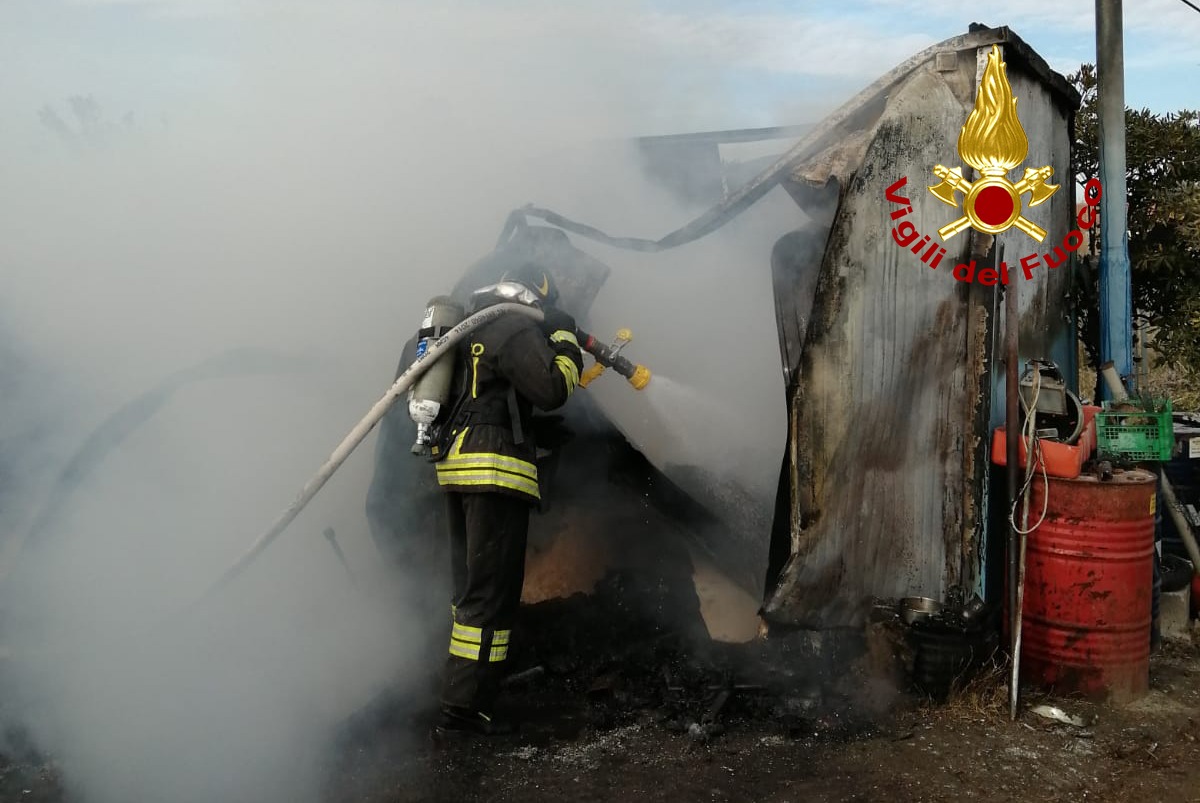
[711, 63]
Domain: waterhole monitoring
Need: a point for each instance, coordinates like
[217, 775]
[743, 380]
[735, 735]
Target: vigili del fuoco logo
[993, 142]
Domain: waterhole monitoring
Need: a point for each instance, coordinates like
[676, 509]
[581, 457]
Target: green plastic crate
[1144, 434]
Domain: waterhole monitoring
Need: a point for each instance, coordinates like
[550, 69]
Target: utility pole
[1116, 294]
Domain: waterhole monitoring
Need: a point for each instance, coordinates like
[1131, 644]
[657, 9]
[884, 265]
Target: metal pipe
[1012, 444]
[1014, 695]
[1116, 391]
[1144, 362]
[1116, 296]
[331, 537]
[1181, 522]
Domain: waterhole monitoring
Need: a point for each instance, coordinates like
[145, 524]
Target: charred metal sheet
[795, 266]
[887, 426]
[577, 275]
[856, 115]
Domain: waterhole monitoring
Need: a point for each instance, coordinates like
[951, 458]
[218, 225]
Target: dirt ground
[615, 705]
[966, 749]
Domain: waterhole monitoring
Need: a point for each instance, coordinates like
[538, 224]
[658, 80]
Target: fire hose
[606, 357]
[364, 427]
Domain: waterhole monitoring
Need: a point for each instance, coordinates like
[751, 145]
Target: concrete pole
[1116, 295]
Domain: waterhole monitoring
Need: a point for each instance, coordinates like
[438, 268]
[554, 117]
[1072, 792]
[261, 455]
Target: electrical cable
[1034, 460]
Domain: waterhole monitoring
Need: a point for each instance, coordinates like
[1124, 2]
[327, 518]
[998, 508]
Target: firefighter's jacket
[510, 368]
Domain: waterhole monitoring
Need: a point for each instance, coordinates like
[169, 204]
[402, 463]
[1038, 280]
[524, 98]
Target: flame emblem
[993, 142]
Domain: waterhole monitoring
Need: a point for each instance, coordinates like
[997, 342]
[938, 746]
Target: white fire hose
[363, 428]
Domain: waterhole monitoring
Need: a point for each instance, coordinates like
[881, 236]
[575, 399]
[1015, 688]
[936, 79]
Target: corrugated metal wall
[895, 395]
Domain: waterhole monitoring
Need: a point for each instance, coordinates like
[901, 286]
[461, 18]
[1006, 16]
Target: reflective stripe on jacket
[484, 470]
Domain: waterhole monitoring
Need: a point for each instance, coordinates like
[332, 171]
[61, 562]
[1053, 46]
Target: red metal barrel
[1088, 584]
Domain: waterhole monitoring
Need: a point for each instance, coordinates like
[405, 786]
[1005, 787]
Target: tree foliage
[1162, 160]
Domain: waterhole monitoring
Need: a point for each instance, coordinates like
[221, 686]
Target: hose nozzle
[610, 357]
[640, 378]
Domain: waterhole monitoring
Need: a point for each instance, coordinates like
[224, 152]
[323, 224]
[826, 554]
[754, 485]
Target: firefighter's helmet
[537, 279]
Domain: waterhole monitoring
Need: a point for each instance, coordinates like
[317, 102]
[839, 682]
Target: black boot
[455, 720]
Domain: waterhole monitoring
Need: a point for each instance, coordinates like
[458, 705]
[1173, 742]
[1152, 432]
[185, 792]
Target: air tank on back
[432, 390]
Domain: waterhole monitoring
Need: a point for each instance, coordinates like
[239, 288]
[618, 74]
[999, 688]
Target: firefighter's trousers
[488, 532]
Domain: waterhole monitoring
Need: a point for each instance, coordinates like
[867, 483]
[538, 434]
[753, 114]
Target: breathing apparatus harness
[465, 410]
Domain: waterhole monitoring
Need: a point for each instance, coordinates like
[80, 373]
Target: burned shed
[897, 380]
[866, 432]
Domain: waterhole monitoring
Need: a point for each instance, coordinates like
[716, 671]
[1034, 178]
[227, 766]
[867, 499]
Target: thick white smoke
[347, 162]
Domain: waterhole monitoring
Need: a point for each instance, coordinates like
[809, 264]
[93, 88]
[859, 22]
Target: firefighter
[487, 470]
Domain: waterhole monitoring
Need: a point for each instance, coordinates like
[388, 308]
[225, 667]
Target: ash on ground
[635, 654]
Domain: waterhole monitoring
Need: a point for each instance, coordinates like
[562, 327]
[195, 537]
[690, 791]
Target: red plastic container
[1062, 460]
[1088, 587]
[1088, 439]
